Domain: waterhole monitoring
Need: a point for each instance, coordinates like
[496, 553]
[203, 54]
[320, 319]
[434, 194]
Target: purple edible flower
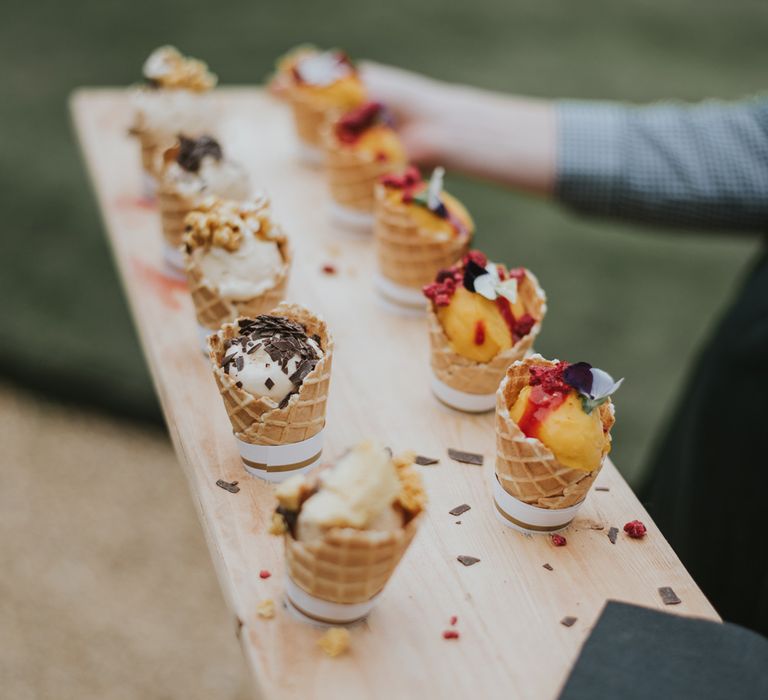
[594, 385]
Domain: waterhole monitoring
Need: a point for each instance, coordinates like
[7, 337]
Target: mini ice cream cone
[261, 425]
[336, 570]
[193, 170]
[170, 102]
[212, 307]
[469, 385]
[360, 147]
[319, 86]
[532, 489]
[407, 255]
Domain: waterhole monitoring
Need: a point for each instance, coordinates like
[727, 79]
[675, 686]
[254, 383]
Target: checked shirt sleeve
[703, 166]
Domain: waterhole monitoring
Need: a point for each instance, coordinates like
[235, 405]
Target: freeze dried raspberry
[479, 333]
[635, 529]
[351, 126]
[454, 620]
[329, 269]
[407, 180]
[523, 325]
[559, 541]
[475, 256]
[451, 634]
[264, 574]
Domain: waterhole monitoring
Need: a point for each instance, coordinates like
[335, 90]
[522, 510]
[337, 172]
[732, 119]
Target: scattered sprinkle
[635, 529]
[612, 534]
[568, 621]
[454, 619]
[329, 269]
[668, 596]
[602, 488]
[458, 510]
[558, 540]
[548, 567]
[425, 461]
[451, 634]
[335, 641]
[230, 486]
[264, 574]
[465, 457]
[266, 609]
[467, 560]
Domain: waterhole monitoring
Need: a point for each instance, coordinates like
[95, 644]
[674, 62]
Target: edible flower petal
[594, 385]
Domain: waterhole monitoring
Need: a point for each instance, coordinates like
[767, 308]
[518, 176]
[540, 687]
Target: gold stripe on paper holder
[283, 467]
[535, 528]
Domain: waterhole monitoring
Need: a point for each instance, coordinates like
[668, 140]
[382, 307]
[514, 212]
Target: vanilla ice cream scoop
[359, 491]
[271, 357]
[239, 250]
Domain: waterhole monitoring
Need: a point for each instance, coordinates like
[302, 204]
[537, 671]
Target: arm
[704, 165]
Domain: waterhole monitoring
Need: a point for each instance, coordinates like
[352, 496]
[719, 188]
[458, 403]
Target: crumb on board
[335, 641]
[266, 608]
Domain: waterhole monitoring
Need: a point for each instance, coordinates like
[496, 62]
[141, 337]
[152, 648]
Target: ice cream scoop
[237, 247]
[481, 307]
[576, 438]
[359, 491]
[271, 357]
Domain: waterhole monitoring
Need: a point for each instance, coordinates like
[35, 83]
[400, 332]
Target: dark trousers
[708, 486]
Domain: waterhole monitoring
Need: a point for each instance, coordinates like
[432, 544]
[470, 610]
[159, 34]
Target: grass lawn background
[634, 301]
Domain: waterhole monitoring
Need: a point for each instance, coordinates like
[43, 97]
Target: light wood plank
[509, 607]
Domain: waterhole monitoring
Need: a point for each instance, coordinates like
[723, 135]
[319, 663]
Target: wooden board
[509, 607]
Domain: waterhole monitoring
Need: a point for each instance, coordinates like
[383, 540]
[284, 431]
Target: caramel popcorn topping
[412, 497]
[335, 641]
[167, 68]
[266, 608]
[221, 223]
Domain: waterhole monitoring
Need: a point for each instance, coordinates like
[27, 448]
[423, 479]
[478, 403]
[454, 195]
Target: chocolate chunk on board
[467, 560]
[232, 487]
[458, 510]
[602, 488]
[425, 461]
[465, 457]
[548, 567]
[612, 534]
[568, 621]
[668, 596]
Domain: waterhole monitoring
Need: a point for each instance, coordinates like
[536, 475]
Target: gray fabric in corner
[635, 653]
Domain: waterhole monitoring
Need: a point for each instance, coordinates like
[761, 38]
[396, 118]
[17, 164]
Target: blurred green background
[636, 302]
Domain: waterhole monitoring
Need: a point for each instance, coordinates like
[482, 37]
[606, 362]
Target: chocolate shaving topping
[668, 596]
[548, 567]
[568, 621]
[232, 487]
[471, 272]
[269, 383]
[612, 533]
[282, 339]
[467, 560]
[465, 457]
[192, 152]
[425, 461]
[290, 517]
[602, 488]
[458, 510]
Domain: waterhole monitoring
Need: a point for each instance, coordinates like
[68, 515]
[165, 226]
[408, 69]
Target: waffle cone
[352, 174]
[406, 254]
[259, 420]
[527, 469]
[174, 208]
[310, 117]
[472, 377]
[152, 146]
[347, 565]
[213, 311]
